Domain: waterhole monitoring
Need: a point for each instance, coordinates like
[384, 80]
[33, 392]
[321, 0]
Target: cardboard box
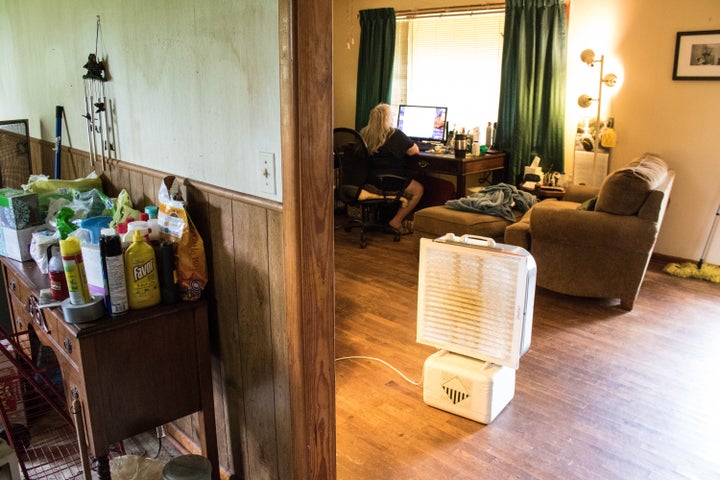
[18, 209]
[16, 243]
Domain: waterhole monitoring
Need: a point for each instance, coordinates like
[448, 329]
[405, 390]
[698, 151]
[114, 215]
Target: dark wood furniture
[546, 192]
[460, 168]
[130, 373]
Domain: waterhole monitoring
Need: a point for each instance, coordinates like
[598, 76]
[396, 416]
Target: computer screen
[422, 122]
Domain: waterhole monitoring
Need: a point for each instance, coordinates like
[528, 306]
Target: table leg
[460, 186]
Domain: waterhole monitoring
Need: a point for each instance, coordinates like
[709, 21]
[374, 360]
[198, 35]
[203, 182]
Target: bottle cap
[122, 228]
[144, 217]
[152, 210]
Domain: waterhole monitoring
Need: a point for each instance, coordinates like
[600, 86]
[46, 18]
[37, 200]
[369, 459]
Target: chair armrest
[591, 229]
[580, 193]
[390, 184]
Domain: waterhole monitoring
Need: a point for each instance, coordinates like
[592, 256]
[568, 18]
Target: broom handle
[710, 235]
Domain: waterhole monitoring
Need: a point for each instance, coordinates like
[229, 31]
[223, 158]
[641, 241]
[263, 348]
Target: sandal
[399, 231]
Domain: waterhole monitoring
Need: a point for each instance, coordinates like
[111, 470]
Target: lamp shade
[587, 56]
[585, 101]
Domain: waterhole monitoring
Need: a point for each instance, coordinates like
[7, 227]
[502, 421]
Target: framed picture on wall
[697, 55]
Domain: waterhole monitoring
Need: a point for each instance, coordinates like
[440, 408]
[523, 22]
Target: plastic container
[74, 271]
[141, 276]
[95, 225]
[140, 225]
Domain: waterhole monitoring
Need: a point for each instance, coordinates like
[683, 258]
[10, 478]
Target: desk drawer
[66, 344]
[17, 287]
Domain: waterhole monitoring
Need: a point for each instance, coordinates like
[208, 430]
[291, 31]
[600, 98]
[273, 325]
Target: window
[451, 61]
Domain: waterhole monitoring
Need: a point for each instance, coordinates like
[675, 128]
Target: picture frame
[697, 55]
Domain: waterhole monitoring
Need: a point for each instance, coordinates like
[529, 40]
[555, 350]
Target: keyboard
[425, 146]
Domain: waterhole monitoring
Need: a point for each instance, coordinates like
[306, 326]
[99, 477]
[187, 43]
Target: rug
[710, 273]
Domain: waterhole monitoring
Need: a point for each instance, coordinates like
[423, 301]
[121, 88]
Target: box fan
[475, 304]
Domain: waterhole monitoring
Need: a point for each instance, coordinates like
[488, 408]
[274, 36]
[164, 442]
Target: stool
[436, 221]
[187, 467]
[9, 467]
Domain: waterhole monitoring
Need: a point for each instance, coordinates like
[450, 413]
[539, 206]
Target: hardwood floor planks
[602, 393]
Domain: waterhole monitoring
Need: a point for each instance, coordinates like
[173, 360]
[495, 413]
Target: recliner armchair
[604, 251]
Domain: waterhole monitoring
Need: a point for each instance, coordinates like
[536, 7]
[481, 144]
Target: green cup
[483, 149]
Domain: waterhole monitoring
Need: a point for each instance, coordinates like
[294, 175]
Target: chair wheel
[396, 238]
[363, 244]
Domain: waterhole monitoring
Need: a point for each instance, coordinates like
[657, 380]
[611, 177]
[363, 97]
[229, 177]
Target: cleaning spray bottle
[141, 276]
[75, 271]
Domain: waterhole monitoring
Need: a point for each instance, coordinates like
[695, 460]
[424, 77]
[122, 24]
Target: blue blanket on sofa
[498, 200]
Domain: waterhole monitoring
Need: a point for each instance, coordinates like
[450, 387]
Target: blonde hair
[379, 127]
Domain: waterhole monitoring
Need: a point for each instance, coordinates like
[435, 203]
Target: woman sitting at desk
[388, 148]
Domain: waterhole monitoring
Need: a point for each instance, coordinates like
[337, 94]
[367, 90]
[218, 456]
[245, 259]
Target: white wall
[675, 119]
[195, 83]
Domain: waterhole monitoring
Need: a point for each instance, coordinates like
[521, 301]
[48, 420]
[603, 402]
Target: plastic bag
[176, 227]
[38, 247]
[135, 467]
[123, 209]
[48, 189]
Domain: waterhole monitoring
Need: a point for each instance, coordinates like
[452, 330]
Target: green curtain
[375, 61]
[531, 116]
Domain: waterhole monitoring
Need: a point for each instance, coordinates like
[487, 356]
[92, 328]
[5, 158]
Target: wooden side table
[542, 192]
[131, 373]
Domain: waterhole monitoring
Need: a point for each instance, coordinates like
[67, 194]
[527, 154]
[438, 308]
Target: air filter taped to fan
[475, 298]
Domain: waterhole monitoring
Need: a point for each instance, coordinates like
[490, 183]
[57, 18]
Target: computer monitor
[423, 123]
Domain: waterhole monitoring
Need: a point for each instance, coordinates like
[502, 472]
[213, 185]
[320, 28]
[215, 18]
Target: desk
[130, 373]
[460, 168]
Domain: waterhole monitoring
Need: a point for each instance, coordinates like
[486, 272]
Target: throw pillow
[625, 190]
[588, 204]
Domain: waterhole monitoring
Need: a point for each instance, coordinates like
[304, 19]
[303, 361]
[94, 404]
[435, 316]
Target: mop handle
[710, 235]
[58, 139]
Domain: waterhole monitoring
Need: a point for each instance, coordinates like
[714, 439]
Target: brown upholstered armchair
[599, 250]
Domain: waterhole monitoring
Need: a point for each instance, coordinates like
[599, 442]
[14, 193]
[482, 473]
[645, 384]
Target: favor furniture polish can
[141, 276]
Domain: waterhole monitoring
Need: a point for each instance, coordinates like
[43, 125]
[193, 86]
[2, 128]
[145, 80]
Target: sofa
[597, 242]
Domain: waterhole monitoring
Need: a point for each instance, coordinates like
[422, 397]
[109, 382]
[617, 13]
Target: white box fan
[475, 303]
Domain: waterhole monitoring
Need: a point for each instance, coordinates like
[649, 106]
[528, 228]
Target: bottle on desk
[489, 132]
[75, 271]
[141, 276]
[113, 265]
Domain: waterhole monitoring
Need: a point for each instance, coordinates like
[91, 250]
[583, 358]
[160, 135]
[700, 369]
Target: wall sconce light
[584, 101]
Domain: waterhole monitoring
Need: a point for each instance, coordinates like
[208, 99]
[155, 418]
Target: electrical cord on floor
[159, 448]
[363, 357]
[160, 433]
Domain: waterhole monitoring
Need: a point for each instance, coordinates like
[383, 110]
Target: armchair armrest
[580, 193]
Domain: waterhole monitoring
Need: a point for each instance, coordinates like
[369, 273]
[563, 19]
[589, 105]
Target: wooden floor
[602, 393]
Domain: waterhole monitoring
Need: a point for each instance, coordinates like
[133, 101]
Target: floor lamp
[609, 80]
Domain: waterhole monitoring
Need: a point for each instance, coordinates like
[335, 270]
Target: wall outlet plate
[267, 173]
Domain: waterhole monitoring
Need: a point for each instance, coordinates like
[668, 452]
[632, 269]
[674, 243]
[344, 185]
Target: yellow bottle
[74, 271]
[141, 276]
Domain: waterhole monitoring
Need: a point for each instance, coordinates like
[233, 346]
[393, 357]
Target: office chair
[377, 200]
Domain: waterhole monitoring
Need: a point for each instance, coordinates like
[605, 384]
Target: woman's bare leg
[414, 193]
